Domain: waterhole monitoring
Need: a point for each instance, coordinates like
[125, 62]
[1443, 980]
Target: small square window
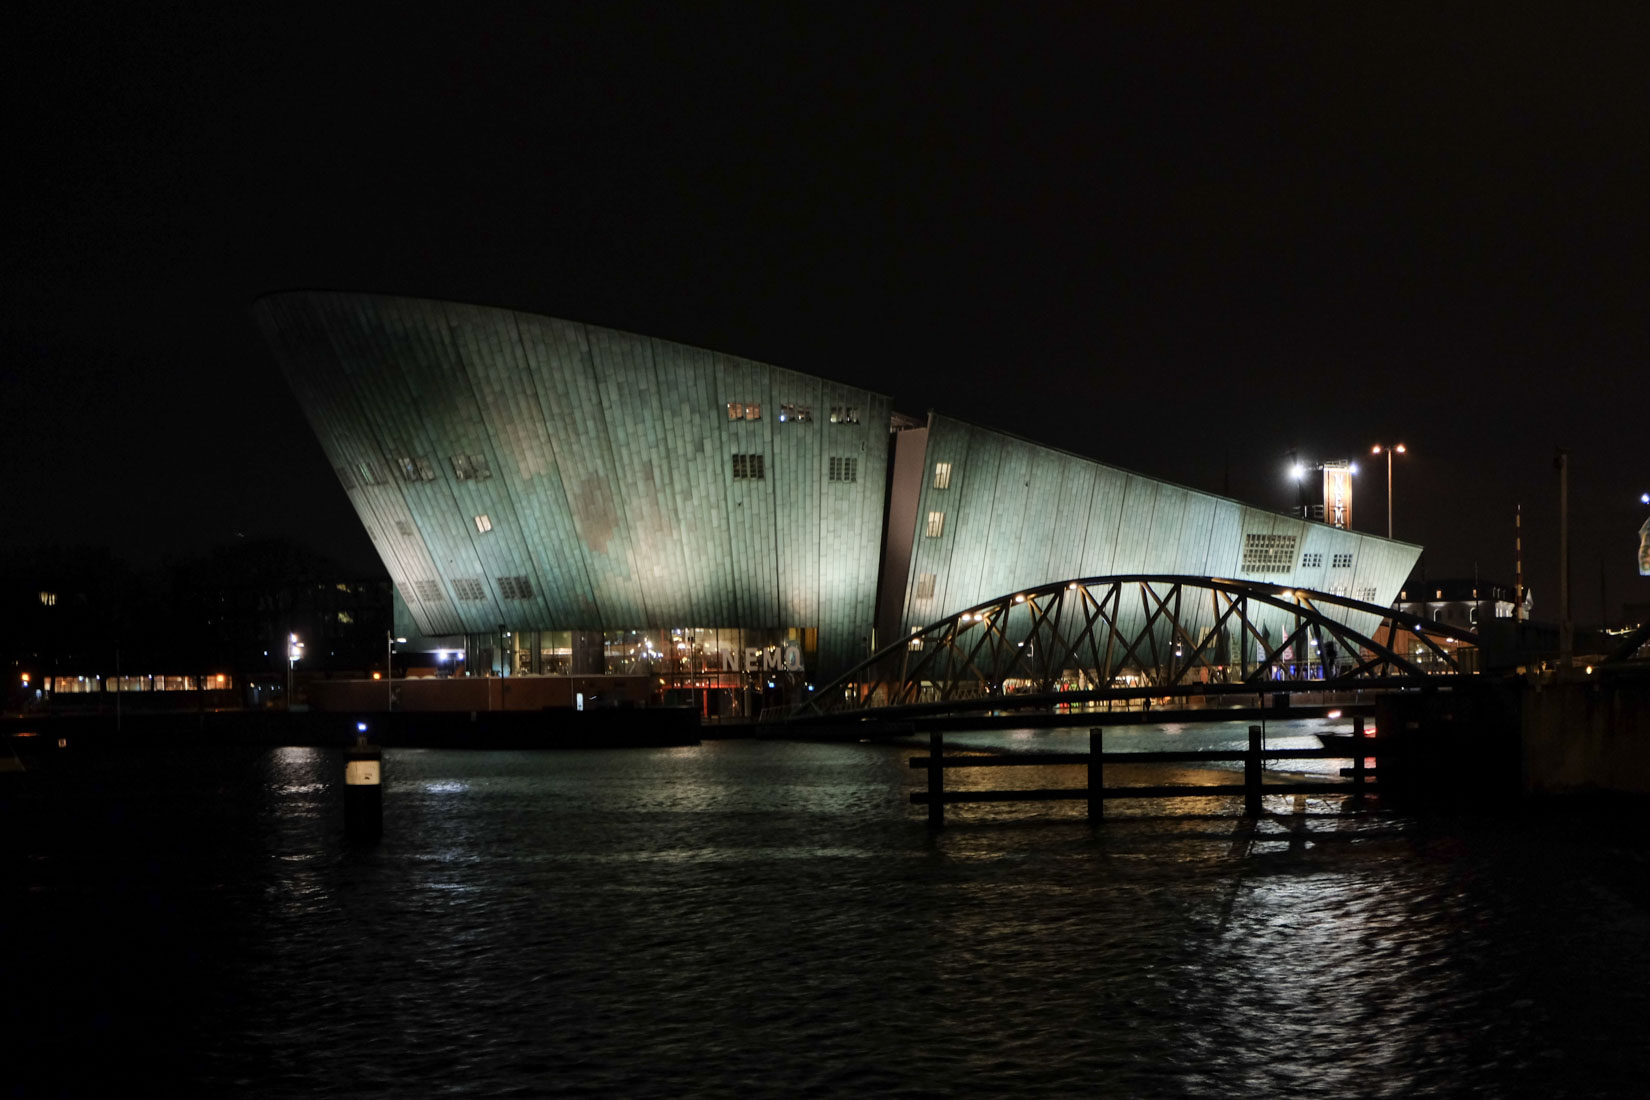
[844, 469]
[748, 467]
[942, 475]
[844, 414]
[936, 524]
[484, 524]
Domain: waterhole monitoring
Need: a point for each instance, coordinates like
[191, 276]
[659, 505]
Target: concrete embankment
[1588, 735]
[556, 728]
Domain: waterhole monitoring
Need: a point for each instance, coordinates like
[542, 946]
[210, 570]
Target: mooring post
[1251, 775]
[1358, 760]
[363, 789]
[936, 779]
[1097, 778]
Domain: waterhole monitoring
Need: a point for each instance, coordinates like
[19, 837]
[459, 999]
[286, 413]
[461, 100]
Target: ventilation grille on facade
[469, 588]
[429, 591]
[516, 588]
[1268, 553]
[404, 528]
[844, 469]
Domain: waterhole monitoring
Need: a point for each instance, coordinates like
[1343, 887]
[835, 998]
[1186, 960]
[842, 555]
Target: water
[773, 919]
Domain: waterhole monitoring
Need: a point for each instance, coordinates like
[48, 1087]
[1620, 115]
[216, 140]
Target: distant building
[1465, 604]
[559, 498]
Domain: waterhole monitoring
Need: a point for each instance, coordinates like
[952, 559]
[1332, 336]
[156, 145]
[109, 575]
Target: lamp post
[294, 650]
[389, 667]
[1399, 448]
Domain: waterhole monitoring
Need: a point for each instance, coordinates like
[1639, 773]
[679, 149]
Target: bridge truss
[1097, 637]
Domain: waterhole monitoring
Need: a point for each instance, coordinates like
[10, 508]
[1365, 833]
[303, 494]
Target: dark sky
[1184, 240]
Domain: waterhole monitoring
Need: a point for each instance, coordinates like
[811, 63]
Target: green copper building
[553, 497]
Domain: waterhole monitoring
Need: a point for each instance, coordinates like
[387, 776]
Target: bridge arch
[1088, 637]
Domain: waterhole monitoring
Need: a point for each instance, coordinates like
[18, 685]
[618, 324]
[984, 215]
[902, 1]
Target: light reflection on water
[772, 919]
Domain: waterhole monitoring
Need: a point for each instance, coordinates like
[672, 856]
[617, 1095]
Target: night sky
[1182, 240]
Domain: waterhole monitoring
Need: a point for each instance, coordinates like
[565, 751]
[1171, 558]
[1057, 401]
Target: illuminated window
[516, 588]
[925, 586]
[795, 414]
[741, 410]
[414, 468]
[844, 469]
[942, 475]
[345, 617]
[936, 524]
[48, 599]
[484, 524]
[471, 467]
[748, 468]
[844, 414]
[469, 588]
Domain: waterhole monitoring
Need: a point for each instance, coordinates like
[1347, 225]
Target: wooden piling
[1097, 779]
[1358, 760]
[936, 779]
[1251, 775]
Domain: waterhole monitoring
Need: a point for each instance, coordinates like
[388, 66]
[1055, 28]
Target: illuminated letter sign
[1644, 549]
[1337, 494]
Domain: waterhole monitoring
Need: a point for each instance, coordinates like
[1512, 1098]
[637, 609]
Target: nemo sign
[1337, 494]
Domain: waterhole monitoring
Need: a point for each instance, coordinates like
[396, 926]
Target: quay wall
[1587, 736]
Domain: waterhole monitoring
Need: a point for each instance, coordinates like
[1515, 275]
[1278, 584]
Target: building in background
[550, 497]
[1464, 603]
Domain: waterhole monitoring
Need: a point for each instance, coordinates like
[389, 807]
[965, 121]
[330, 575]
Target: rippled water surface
[764, 919]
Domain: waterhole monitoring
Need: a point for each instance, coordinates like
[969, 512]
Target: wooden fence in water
[1254, 756]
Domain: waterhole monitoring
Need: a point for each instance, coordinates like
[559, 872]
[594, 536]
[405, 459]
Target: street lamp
[1399, 449]
[294, 650]
[389, 667]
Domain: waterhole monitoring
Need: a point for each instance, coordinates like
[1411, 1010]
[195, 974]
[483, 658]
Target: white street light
[294, 650]
[389, 666]
[1390, 450]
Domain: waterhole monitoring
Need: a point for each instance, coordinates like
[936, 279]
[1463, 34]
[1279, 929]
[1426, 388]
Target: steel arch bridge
[1097, 638]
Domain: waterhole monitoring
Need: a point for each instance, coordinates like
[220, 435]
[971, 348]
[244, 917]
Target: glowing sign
[1644, 549]
[773, 658]
[1337, 494]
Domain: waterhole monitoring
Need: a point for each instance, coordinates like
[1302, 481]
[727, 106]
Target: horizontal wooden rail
[1186, 756]
[1096, 792]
